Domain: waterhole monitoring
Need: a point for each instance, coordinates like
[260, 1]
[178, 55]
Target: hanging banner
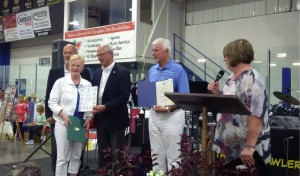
[1, 32]
[1, 4]
[50, 2]
[10, 28]
[41, 21]
[119, 36]
[29, 24]
[39, 3]
[5, 7]
[24, 25]
[16, 6]
[27, 4]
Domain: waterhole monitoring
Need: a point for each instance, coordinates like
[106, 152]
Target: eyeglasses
[102, 54]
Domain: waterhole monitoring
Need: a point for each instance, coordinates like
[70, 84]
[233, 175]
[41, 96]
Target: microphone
[288, 138]
[219, 75]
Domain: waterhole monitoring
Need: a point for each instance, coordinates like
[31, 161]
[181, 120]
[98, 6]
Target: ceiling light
[281, 55]
[257, 62]
[201, 60]
[272, 65]
[75, 23]
[296, 64]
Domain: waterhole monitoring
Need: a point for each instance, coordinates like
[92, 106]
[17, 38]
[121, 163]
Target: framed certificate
[88, 98]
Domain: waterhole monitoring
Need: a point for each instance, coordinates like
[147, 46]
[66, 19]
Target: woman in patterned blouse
[238, 136]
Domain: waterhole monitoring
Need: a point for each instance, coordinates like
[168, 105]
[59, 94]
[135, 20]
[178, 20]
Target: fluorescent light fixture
[281, 55]
[75, 23]
[201, 60]
[272, 65]
[257, 62]
[296, 64]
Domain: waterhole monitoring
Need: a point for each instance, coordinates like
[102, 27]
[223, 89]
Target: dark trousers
[20, 126]
[53, 148]
[114, 140]
[35, 130]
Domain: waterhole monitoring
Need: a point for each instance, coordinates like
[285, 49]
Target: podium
[204, 103]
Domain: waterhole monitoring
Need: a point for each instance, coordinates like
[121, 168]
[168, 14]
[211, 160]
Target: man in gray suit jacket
[111, 113]
[55, 74]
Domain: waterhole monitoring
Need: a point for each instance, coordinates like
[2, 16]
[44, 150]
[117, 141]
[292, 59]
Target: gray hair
[165, 43]
[108, 48]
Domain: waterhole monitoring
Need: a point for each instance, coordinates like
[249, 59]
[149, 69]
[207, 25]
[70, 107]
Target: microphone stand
[286, 150]
[287, 156]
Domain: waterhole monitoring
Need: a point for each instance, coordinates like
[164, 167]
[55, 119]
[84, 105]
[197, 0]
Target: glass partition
[28, 78]
[84, 14]
[4, 75]
[284, 57]
[77, 15]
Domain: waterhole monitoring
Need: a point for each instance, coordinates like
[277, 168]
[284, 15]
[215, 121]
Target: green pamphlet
[76, 132]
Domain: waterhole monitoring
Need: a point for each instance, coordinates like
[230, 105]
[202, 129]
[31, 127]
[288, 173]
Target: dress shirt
[105, 74]
[171, 71]
[67, 73]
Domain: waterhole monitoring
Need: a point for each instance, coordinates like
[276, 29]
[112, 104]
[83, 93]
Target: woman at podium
[239, 136]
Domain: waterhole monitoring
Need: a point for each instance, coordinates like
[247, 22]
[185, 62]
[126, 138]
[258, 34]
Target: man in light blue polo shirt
[166, 123]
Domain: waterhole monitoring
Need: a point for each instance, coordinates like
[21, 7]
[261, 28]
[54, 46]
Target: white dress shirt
[105, 74]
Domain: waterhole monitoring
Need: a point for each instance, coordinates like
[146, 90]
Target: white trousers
[67, 151]
[165, 130]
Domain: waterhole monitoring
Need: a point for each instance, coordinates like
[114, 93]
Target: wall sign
[29, 24]
[121, 37]
[44, 61]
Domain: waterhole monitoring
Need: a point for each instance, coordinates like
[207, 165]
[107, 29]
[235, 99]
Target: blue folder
[146, 94]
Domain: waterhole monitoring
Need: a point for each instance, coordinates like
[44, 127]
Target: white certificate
[88, 98]
[161, 88]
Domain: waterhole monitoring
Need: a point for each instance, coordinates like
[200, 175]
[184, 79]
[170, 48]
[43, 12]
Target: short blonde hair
[77, 57]
[40, 108]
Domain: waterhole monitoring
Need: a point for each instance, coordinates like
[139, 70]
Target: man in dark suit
[55, 74]
[111, 113]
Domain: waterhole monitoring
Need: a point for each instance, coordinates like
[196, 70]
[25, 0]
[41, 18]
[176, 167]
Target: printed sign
[39, 3]
[16, 6]
[5, 7]
[10, 28]
[41, 21]
[27, 4]
[24, 25]
[119, 36]
[44, 61]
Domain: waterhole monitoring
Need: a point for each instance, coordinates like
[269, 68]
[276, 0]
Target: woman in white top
[64, 102]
